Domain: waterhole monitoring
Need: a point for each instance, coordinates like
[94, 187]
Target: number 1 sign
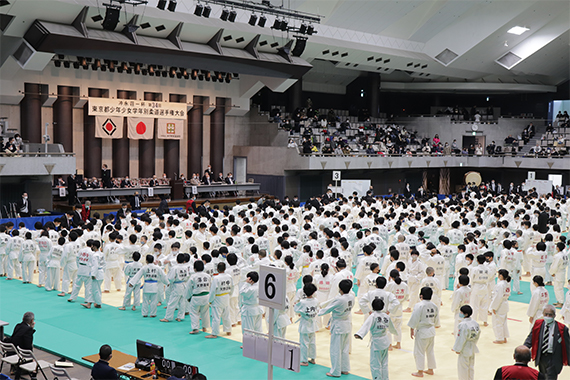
[272, 287]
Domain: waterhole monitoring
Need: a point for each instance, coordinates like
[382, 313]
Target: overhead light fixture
[194, 74]
[284, 25]
[276, 24]
[198, 10]
[124, 66]
[228, 77]
[160, 28]
[252, 19]
[57, 63]
[161, 4]
[172, 72]
[310, 30]
[75, 65]
[225, 14]
[303, 29]
[97, 18]
[111, 65]
[172, 5]
[233, 15]
[151, 70]
[206, 12]
[146, 25]
[66, 64]
[518, 30]
[506, 43]
[220, 76]
[262, 21]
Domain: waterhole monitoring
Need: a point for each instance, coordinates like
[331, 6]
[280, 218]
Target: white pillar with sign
[272, 350]
[336, 177]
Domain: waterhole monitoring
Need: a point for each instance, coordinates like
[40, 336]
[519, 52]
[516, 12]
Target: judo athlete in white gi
[13, 248]
[340, 307]
[113, 259]
[131, 269]
[222, 287]
[423, 320]
[558, 273]
[251, 312]
[378, 324]
[152, 275]
[54, 261]
[177, 277]
[27, 258]
[466, 344]
[45, 246]
[83, 277]
[97, 276]
[460, 297]
[198, 294]
[69, 262]
[4, 238]
[500, 307]
[307, 308]
[480, 277]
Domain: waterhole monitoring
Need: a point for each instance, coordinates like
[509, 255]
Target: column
[217, 127]
[172, 151]
[121, 146]
[444, 181]
[195, 136]
[296, 95]
[63, 118]
[424, 180]
[31, 113]
[92, 160]
[147, 149]
[374, 93]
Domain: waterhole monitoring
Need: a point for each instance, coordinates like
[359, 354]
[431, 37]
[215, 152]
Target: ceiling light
[228, 77]
[303, 29]
[172, 5]
[262, 21]
[146, 25]
[225, 14]
[160, 28]
[207, 11]
[311, 30]
[276, 24]
[284, 25]
[194, 74]
[518, 30]
[97, 18]
[232, 17]
[66, 64]
[75, 65]
[161, 4]
[57, 63]
[198, 10]
[252, 19]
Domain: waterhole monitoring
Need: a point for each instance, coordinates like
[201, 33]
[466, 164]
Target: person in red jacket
[520, 370]
[549, 343]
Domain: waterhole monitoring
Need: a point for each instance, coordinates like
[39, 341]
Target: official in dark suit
[24, 208]
[549, 343]
[407, 191]
[106, 176]
[295, 202]
[163, 206]
[136, 201]
[542, 221]
[203, 209]
[23, 335]
[71, 189]
[125, 183]
[102, 370]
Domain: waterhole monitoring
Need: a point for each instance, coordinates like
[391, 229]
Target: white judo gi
[27, 257]
[466, 346]
[45, 245]
[222, 287]
[83, 277]
[177, 277]
[423, 320]
[307, 308]
[500, 307]
[378, 324]
[153, 275]
[53, 265]
[251, 312]
[198, 291]
[131, 269]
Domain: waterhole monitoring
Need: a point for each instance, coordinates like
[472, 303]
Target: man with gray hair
[520, 370]
[549, 343]
[23, 336]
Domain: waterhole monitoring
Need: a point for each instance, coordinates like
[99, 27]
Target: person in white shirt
[292, 274]
[558, 270]
[460, 298]
[198, 292]
[4, 238]
[53, 265]
[416, 272]
[27, 258]
[13, 248]
[251, 312]
[308, 308]
[500, 307]
[45, 246]
[340, 308]
[113, 259]
[423, 320]
[323, 281]
[97, 276]
[221, 288]
[466, 344]
[480, 278]
[400, 290]
[130, 270]
[378, 324]
[177, 277]
[152, 275]
[84, 262]
[390, 300]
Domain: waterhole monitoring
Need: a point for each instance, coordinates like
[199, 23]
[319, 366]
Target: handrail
[35, 154]
[507, 154]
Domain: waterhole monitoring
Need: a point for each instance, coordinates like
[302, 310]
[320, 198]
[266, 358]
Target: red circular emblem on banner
[109, 127]
[141, 128]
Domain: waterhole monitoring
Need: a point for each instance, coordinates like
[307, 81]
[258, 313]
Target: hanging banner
[108, 127]
[140, 128]
[142, 108]
[169, 129]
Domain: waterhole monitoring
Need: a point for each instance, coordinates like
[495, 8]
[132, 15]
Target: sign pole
[270, 345]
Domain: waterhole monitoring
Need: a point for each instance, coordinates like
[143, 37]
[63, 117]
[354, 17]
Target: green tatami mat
[72, 331]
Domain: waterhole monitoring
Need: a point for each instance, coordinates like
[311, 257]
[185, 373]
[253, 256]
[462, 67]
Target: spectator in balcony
[525, 135]
[471, 150]
[559, 119]
[331, 117]
[10, 147]
[370, 150]
[426, 150]
[509, 140]
[19, 142]
[491, 148]
[344, 126]
[479, 150]
[447, 149]
[435, 140]
[275, 115]
[531, 130]
[455, 147]
[307, 146]
[464, 151]
[549, 128]
[477, 117]
[291, 144]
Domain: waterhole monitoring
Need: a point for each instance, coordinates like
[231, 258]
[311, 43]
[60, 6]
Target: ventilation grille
[509, 60]
[446, 57]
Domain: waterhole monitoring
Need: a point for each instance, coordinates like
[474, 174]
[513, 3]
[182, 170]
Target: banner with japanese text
[140, 128]
[136, 108]
[170, 129]
[109, 127]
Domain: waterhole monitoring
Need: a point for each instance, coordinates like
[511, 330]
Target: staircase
[539, 132]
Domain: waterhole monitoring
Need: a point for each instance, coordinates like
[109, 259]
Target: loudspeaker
[111, 18]
[299, 48]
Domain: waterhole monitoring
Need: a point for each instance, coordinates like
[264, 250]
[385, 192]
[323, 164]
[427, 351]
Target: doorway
[240, 169]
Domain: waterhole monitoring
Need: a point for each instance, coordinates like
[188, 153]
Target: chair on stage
[60, 373]
[33, 365]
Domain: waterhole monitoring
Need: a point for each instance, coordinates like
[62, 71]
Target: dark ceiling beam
[79, 22]
[251, 47]
[174, 36]
[214, 42]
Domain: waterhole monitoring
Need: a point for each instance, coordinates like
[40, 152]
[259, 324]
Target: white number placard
[336, 175]
[272, 287]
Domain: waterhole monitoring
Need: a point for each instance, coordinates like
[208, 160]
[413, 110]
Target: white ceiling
[401, 31]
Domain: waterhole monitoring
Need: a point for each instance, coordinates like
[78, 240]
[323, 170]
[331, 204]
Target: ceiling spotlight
[214, 78]
[124, 66]
[144, 71]
[97, 64]
[111, 66]
[104, 68]
[146, 25]
[97, 18]
[137, 68]
[284, 25]
[252, 19]
[220, 77]
[194, 74]
[276, 24]
[172, 5]
[303, 29]
[160, 28]
[208, 76]
[228, 77]
[66, 64]
[206, 12]
[225, 14]
[151, 70]
[75, 65]
[262, 21]
[198, 10]
[161, 4]
[232, 17]
[164, 74]
[172, 72]
[57, 63]
[310, 30]
[518, 30]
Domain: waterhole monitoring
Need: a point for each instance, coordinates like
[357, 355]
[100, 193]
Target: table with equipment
[249, 186]
[117, 192]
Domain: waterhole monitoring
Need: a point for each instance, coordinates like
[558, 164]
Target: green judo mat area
[69, 330]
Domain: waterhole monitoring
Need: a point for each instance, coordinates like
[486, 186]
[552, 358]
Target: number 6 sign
[272, 287]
